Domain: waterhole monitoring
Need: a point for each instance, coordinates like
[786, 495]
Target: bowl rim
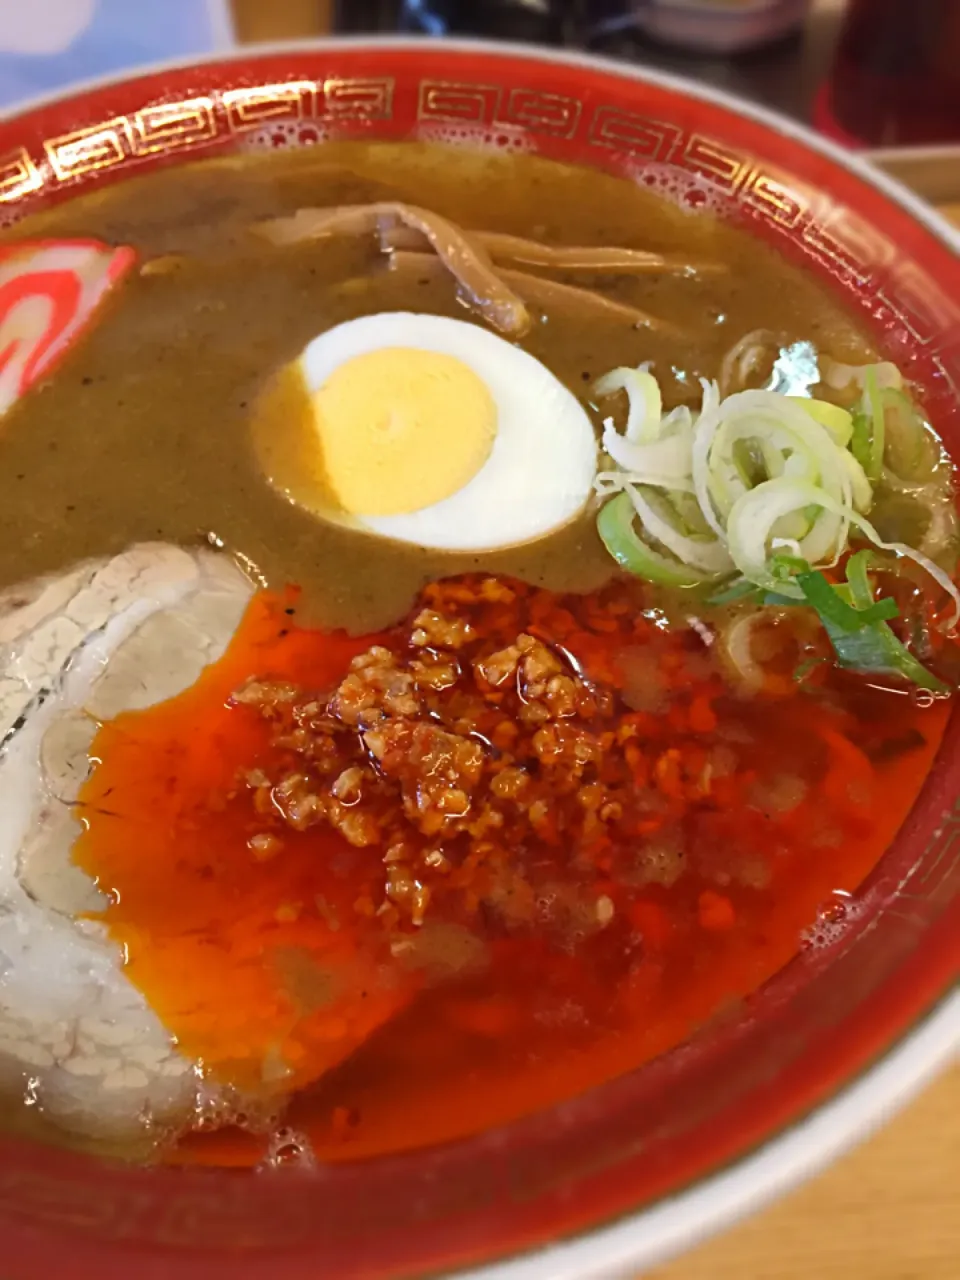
[752, 1181]
[686, 86]
[651, 1234]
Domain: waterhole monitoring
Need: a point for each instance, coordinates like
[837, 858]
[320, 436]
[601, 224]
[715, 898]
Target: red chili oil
[610, 907]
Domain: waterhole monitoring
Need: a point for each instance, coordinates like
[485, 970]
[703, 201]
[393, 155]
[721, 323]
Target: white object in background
[720, 26]
[43, 26]
[47, 45]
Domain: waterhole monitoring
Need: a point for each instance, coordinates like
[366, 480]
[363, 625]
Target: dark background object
[718, 26]
[355, 17]
[784, 75]
[896, 79]
[541, 21]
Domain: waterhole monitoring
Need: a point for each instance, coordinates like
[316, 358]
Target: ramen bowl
[632, 1170]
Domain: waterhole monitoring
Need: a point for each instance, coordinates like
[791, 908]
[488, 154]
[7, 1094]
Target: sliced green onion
[831, 606]
[761, 426]
[659, 519]
[790, 545]
[856, 624]
[876, 649]
[689, 516]
[909, 452]
[827, 599]
[615, 525]
[869, 428]
[768, 486]
[643, 394]
[860, 445]
[778, 600]
[839, 422]
[749, 467]
[752, 519]
[664, 462]
[873, 408]
[784, 566]
[703, 433]
[861, 590]
[887, 648]
[739, 590]
[861, 491]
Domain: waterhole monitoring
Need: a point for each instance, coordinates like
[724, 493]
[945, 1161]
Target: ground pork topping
[491, 740]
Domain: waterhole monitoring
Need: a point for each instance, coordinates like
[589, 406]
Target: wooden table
[888, 1211]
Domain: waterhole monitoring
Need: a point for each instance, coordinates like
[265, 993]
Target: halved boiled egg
[439, 433]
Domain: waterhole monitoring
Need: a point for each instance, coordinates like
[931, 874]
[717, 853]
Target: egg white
[540, 471]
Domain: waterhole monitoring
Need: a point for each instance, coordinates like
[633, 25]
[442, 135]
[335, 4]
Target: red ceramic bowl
[632, 1170]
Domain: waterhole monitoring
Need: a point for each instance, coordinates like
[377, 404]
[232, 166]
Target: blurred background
[879, 76]
[876, 75]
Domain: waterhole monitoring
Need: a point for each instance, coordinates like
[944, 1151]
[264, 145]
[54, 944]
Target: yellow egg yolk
[401, 429]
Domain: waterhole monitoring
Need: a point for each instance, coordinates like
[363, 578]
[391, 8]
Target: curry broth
[146, 429]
